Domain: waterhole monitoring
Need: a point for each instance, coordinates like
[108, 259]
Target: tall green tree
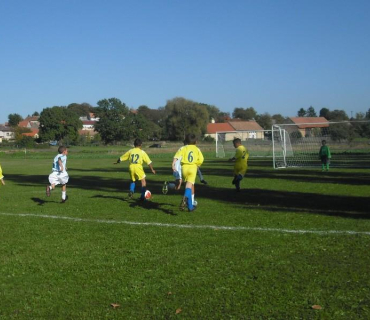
[185, 116]
[301, 112]
[324, 112]
[81, 109]
[264, 120]
[311, 112]
[112, 125]
[338, 115]
[245, 114]
[59, 123]
[278, 118]
[14, 119]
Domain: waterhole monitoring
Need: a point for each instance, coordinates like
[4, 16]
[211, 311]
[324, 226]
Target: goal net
[298, 145]
[258, 143]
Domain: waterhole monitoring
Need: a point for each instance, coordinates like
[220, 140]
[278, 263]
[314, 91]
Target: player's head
[62, 149]
[138, 142]
[237, 142]
[190, 138]
[323, 142]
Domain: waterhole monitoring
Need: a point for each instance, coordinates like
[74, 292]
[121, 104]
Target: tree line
[117, 122]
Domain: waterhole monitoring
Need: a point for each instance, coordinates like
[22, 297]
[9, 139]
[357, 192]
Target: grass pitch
[292, 244]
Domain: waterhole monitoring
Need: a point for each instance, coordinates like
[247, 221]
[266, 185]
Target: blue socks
[132, 187]
[188, 195]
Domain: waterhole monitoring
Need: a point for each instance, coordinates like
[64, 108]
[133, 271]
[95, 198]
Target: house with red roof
[248, 130]
[307, 125]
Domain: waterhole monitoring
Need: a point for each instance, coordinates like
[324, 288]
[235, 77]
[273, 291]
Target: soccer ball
[147, 194]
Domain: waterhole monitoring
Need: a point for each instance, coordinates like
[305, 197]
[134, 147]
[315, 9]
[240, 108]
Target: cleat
[238, 189]
[165, 187]
[47, 191]
[130, 195]
[192, 210]
[183, 203]
[204, 181]
[64, 200]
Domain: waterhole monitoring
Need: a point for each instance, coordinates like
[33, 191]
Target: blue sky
[276, 56]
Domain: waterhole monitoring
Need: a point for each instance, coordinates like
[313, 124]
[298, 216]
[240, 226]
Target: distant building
[307, 125]
[6, 133]
[254, 130]
[30, 122]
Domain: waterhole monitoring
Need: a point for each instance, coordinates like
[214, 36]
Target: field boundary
[191, 226]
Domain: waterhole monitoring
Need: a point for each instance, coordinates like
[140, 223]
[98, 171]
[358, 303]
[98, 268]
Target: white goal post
[258, 143]
[298, 145]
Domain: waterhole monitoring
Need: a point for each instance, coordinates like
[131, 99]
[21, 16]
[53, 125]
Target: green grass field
[291, 240]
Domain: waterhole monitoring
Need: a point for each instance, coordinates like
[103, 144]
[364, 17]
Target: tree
[59, 123]
[184, 116]
[311, 112]
[324, 112]
[214, 113]
[14, 119]
[265, 121]
[301, 112]
[337, 115]
[111, 126]
[278, 119]
[82, 110]
[245, 114]
[35, 114]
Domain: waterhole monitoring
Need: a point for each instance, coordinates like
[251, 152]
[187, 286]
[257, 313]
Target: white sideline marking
[190, 226]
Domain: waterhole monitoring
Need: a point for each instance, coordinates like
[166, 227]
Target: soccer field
[292, 244]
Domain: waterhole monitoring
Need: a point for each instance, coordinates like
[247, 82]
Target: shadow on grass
[269, 200]
[150, 205]
[313, 203]
[39, 201]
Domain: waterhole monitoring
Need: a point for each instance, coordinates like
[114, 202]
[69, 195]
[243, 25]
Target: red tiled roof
[29, 134]
[310, 122]
[215, 127]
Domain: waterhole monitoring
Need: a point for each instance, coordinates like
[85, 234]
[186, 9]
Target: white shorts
[58, 178]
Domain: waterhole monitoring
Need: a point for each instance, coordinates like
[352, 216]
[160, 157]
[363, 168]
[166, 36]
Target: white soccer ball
[147, 194]
[195, 203]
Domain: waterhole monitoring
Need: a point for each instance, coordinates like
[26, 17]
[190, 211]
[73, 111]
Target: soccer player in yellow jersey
[241, 160]
[191, 158]
[136, 158]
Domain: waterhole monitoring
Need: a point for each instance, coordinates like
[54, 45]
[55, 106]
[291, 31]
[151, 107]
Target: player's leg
[132, 183]
[201, 177]
[143, 189]
[140, 174]
[64, 193]
[53, 181]
[239, 174]
[189, 174]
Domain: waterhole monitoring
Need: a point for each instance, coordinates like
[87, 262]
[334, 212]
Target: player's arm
[174, 164]
[200, 158]
[60, 165]
[151, 167]
[124, 157]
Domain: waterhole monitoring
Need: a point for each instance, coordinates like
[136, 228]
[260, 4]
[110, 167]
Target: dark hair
[190, 138]
[137, 142]
[323, 141]
[61, 149]
[237, 140]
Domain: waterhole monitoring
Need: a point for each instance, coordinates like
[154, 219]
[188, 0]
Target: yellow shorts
[189, 173]
[240, 169]
[137, 172]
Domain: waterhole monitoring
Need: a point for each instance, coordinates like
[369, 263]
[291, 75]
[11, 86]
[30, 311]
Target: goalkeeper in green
[324, 156]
